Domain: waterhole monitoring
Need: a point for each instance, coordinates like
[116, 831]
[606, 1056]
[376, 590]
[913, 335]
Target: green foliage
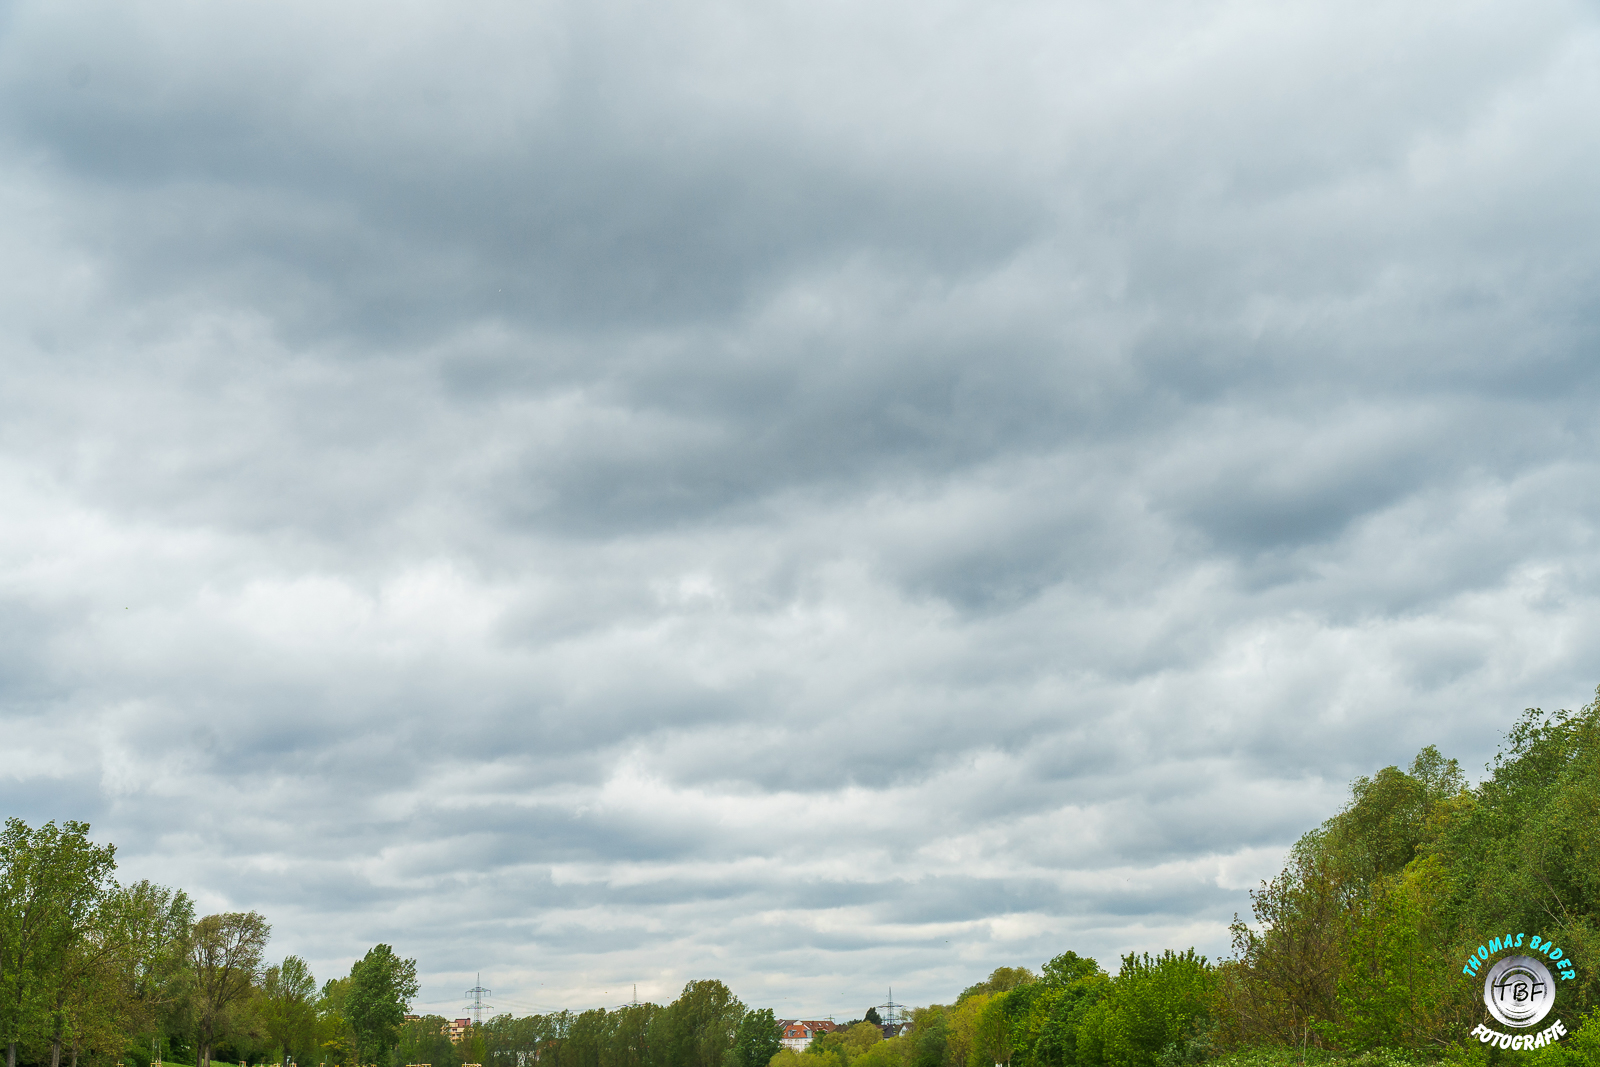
[757, 1039]
[991, 1034]
[697, 1029]
[382, 986]
[225, 959]
[1356, 944]
[1581, 1049]
[1524, 850]
[153, 924]
[1066, 1010]
[929, 1040]
[52, 882]
[1158, 1012]
[1395, 976]
[288, 1008]
[1000, 980]
[1066, 969]
[335, 1038]
[424, 1040]
[1280, 1056]
[893, 1052]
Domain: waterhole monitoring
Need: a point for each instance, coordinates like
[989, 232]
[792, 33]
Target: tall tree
[87, 1002]
[289, 1006]
[155, 924]
[382, 986]
[92, 1009]
[425, 1040]
[1000, 980]
[225, 952]
[697, 1029]
[759, 1037]
[52, 881]
[991, 1033]
[333, 1026]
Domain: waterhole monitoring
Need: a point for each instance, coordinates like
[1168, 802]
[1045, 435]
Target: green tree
[1523, 852]
[843, 1046]
[225, 954]
[382, 986]
[335, 1039]
[961, 1027]
[1397, 975]
[424, 1040]
[630, 1036]
[991, 1033]
[52, 881]
[153, 924]
[88, 1005]
[1284, 985]
[1056, 1042]
[697, 1029]
[757, 1039]
[289, 1007]
[1158, 1011]
[890, 1052]
[1068, 968]
[588, 1039]
[930, 1037]
[1000, 980]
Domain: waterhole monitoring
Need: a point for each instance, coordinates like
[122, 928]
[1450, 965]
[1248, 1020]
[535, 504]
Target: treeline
[93, 972]
[1360, 942]
[706, 1026]
[1356, 946]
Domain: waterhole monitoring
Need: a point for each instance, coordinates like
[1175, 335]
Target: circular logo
[1518, 991]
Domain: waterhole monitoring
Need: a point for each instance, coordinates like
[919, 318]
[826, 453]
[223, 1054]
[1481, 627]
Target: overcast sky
[822, 495]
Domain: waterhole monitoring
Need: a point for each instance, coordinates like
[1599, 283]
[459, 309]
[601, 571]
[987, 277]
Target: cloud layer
[816, 495]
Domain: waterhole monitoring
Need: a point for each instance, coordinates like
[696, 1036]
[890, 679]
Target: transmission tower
[477, 993]
[890, 1011]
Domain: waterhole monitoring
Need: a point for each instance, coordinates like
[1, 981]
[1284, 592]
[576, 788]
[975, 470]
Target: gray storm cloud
[815, 495]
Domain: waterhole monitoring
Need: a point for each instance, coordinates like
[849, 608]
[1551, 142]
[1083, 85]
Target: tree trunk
[11, 1055]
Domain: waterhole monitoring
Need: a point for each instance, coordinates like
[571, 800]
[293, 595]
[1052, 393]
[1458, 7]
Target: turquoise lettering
[1483, 952]
[1519, 939]
[1536, 942]
[1494, 945]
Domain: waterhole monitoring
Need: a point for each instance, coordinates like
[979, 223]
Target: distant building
[797, 1033]
[458, 1030]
